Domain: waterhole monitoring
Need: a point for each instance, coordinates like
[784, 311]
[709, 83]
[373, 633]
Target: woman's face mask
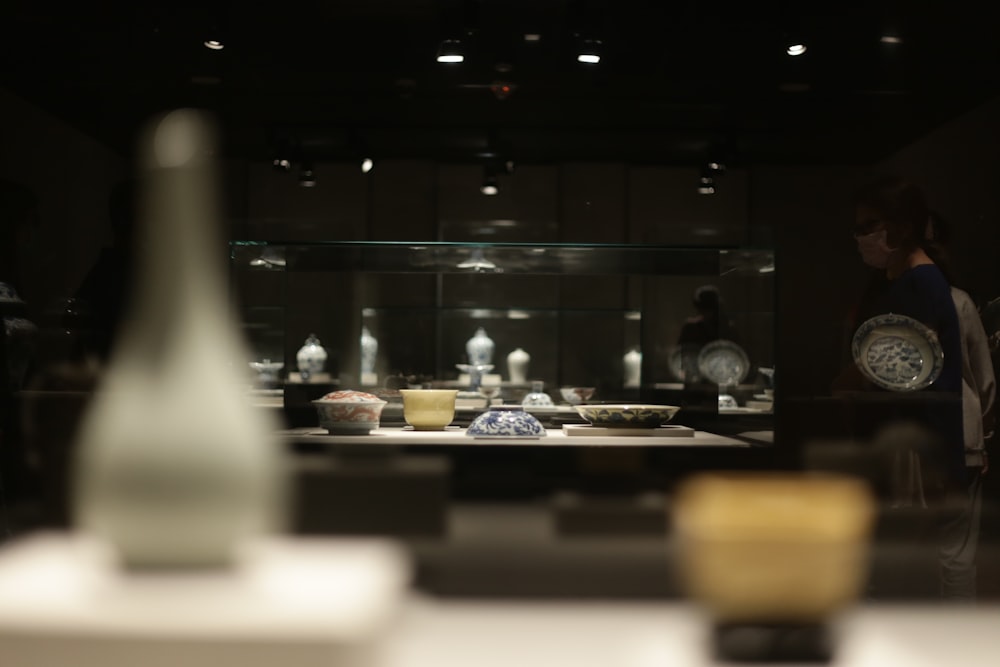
[874, 249]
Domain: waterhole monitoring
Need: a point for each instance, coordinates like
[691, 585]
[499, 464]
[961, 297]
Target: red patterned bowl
[349, 412]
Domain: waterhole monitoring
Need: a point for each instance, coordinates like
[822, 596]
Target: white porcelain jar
[369, 350]
[517, 366]
[632, 362]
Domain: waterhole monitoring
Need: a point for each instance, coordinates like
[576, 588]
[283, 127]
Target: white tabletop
[555, 437]
[623, 634]
[321, 602]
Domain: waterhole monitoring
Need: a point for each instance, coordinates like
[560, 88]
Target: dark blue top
[923, 293]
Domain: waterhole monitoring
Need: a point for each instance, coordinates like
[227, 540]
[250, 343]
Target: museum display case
[496, 319]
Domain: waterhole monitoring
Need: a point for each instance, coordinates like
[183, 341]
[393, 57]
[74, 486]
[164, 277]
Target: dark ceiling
[679, 81]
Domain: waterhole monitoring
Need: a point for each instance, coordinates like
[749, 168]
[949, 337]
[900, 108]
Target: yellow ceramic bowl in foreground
[429, 409]
[773, 547]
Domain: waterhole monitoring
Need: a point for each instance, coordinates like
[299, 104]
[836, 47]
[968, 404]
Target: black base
[772, 642]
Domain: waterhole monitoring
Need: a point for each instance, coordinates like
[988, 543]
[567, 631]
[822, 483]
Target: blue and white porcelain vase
[480, 348]
[311, 357]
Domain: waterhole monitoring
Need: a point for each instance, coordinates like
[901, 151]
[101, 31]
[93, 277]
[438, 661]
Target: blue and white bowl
[627, 416]
[506, 422]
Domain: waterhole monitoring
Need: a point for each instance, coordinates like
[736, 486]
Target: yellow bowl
[773, 547]
[429, 409]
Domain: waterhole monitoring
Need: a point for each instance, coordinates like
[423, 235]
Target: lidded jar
[311, 357]
[480, 348]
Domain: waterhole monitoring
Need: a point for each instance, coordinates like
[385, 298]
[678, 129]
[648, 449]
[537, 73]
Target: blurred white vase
[175, 468]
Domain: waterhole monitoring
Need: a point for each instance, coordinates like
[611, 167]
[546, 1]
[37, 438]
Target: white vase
[369, 350]
[632, 362]
[175, 468]
[480, 348]
[517, 366]
[311, 357]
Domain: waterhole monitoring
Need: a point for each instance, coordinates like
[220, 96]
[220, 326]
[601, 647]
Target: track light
[450, 51]
[214, 44]
[307, 175]
[795, 48]
[367, 165]
[706, 184]
[282, 164]
[589, 51]
[489, 186]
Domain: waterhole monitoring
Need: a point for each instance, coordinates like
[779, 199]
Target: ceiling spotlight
[706, 184]
[307, 176]
[214, 44]
[450, 51]
[282, 164]
[590, 52]
[890, 39]
[489, 186]
[367, 165]
[716, 166]
[795, 49]
[532, 37]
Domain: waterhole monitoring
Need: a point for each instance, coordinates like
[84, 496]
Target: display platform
[456, 436]
[306, 602]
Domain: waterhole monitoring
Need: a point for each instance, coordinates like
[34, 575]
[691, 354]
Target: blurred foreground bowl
[773, 547]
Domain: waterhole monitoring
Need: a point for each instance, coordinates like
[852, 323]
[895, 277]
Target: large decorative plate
[723, 362]
[897, 352]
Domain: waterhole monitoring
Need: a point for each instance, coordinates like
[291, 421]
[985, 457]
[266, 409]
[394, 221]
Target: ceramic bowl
[429, 409]
[627, 416]
[773, 547]
[506, 422]
[576, 395]
[349, 412]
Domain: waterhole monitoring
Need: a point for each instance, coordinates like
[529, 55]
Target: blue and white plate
[897, 352]
[723, 362]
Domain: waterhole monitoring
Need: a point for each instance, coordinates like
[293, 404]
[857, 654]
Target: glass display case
[633, 322]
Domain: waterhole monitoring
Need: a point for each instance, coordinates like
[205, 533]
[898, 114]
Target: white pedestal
[302, 602]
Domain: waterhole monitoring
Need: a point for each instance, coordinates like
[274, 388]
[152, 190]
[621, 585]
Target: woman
[891, 231]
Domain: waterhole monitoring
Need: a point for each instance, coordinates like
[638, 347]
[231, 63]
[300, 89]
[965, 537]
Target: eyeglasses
[865, 227]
